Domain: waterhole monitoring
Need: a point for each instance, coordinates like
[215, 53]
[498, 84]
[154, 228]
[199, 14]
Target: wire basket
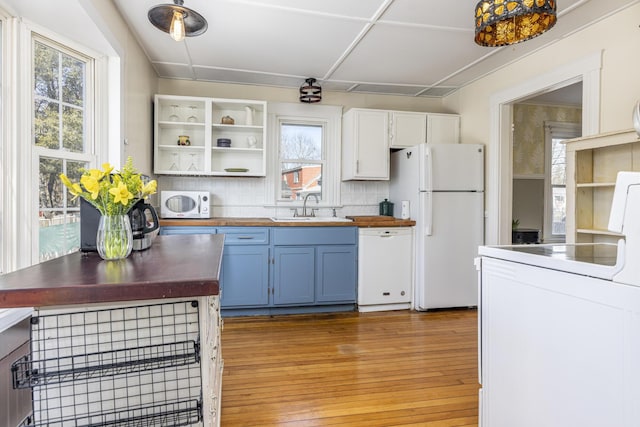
[132, 366]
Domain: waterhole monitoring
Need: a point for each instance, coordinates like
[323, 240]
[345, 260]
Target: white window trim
[331, 117]
[552, 130]
[26, 232]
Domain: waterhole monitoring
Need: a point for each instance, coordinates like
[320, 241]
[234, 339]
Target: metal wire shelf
[127, 366]
[108, 363]
[163, 415]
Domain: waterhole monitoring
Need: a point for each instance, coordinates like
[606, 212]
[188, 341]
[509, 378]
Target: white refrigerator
[444, 185]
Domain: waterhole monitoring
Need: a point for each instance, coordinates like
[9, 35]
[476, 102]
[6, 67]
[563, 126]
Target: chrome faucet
[304, 204]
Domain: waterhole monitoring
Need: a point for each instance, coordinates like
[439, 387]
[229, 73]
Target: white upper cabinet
[443, 128]
[369, 134]
[407, 129]
[209, 136]
[365, 144]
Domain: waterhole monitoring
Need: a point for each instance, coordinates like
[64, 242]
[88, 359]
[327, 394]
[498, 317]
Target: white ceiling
[403, 47]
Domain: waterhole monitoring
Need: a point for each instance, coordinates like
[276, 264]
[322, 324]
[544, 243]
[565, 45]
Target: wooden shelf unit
[593, 163]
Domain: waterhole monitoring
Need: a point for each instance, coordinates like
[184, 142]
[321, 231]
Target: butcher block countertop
[171, 268]
[357, 221]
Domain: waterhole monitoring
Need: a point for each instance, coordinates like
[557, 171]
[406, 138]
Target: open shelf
[247, 135]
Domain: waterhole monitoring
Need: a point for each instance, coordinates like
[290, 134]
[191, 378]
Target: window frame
[330, 117]
[88, 155]
[554, 130]
[23, 236]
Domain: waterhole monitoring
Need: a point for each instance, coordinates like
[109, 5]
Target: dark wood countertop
[358, 221]
[173, 267]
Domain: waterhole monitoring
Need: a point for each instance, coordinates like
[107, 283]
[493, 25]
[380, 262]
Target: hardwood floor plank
[397, 368]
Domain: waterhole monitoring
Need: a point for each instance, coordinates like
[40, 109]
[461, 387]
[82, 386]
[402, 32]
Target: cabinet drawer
[245, 235]
[315, 235]
[187, 229]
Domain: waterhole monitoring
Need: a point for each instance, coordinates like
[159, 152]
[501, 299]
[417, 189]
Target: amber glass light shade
[505, 22]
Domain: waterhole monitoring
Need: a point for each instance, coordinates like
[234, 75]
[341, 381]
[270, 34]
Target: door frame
[500, 158]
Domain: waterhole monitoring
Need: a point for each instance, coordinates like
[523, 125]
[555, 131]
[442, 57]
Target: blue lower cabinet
[336, 274]
[273, 270]
[244, 276]
[294, 275]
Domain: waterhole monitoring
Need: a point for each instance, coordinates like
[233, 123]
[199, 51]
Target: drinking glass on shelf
[192, 118]
[176, 159]
[192, 166]
[174, 113]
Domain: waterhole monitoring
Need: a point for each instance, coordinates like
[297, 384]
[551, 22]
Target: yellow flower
[91, 183]
[112, 193]
[75, 189]
[107, 168]
[121, 194]
[150, 187]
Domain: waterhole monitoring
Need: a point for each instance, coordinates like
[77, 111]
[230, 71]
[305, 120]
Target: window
[61, 114]
[307, 155]
[301, 159]
[556, 178]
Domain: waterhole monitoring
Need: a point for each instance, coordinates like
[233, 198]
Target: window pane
[72, 129]
[559, 210]
[301, 160]
[300, 179]
[55, 110]
[558, 162]
[300, 142]
[59, 215]
[51, 192]
[59, 234]
[46, 124]
[72, 81]
[45, 71]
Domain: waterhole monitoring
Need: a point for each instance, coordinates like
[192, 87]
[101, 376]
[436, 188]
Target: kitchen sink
[309, 219]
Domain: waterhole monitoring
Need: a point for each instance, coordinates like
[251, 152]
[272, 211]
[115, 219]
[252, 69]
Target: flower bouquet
[113, 194]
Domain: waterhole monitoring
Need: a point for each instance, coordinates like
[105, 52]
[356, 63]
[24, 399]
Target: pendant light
[505, 22]
[310, 92]
[177, 20]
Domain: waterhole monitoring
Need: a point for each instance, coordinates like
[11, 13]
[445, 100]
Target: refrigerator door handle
[429, 177]
[428, 226]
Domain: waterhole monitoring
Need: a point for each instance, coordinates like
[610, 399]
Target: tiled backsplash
[246, 197]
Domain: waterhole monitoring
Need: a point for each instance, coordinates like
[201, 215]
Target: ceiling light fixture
[310, 92]
[177, 20]
[505, 22]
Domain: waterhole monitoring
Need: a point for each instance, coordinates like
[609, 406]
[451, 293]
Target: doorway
[540, 124]
[500, 159]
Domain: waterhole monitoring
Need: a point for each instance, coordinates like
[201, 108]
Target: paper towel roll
[405, 211]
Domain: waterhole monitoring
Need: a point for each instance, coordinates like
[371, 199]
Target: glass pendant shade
[505, 22]
[177, 20]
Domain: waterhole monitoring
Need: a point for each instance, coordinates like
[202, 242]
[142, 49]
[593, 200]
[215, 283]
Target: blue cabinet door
[336, 273]
[244, 276]
[294, 275]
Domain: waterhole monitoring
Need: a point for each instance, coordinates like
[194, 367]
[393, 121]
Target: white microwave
[185, 204]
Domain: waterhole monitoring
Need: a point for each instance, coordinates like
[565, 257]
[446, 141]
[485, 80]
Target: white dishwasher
[385, 268]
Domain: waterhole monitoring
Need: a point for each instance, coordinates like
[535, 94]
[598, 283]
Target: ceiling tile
[363, 9]
[408, 55]
[456, 13]
[387, 89]
[272, 41]
[245, 77]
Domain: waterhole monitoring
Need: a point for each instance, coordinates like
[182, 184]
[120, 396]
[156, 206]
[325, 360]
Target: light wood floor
[386, 369]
